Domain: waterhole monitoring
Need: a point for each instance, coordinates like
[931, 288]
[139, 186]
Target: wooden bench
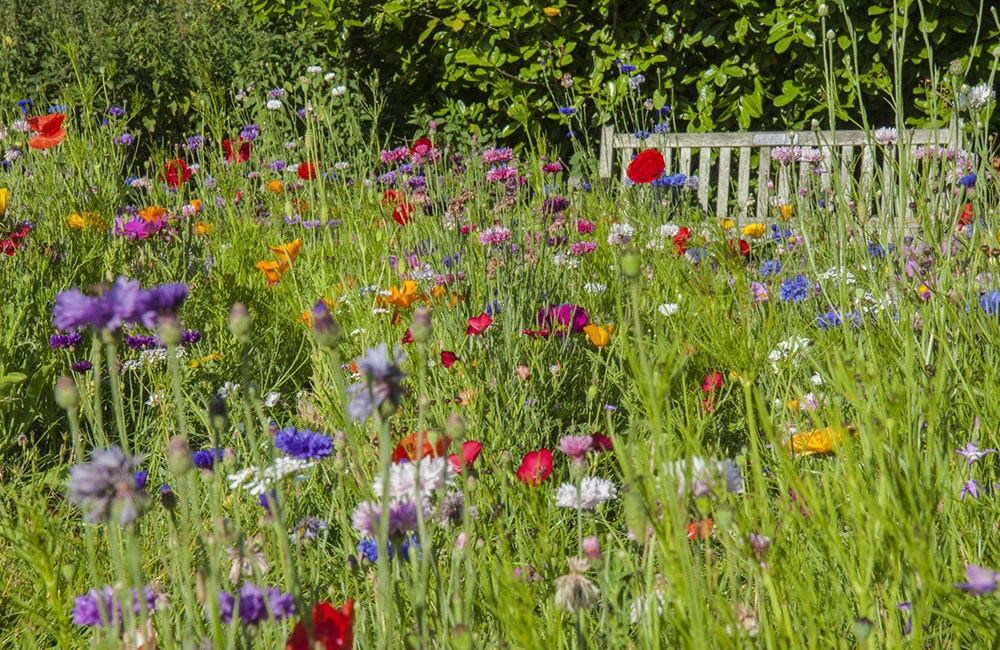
[854, 153]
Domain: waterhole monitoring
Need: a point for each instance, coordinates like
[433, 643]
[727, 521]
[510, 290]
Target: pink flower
[500, 173]
[585, 227]
[583, 247]
[576, 447]
[493, 236]
[470, 451]
[759, 292]
[552, 167]
[592, 547]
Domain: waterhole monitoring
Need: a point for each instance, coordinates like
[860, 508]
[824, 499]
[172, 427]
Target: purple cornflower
[277, 92]
[907, 607]
[206, 458]
[70, 340]
[980, 580]
[195, 142]
[972, 452]
[141, 341]
[254, 605]
[554, 205]
[106, 487]
[100, 607]
[80, 366]
[250, 132]
[115, 111]
[277, 165]
[303, 444]
[125, 139]
[402, 518]
[971, 488]
[123, 303]
[382, 387]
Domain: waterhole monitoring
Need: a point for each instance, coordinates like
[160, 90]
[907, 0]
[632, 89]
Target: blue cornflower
[493, 308]
[827, 321]
[626, 68]
[663, 111]
[875, 250]
[23, 104]
[642, 135]
[61, 108]
[795, 289]
[779, 235]
[770, 267]
[990, 303]
[206, 458]
[140, 479]
[968, 180]
[661, 128]
[585, 185]
[250, 132]
[566, 110]
[303, 444]
[368, 548]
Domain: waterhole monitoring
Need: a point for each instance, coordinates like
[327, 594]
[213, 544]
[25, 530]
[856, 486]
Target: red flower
[392, 196]
[242, 152]
[425, 143]
[447, 358]
[601, 442]
[307, 171]
[712, 383]
[646, 167]
[744, 247]
[701, 529]
[965, 218]
[408, 447]
[403, 214]
[542, 334]
[478, 324]
[49, 130]
[176, 173]
[470, 451]
[536, 466]
[332, 629]
[408, 337]
[681, 240]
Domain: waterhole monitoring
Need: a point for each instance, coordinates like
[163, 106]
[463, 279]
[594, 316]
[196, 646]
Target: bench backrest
[837, 149]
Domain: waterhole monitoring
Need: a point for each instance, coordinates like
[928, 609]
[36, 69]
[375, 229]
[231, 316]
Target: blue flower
[304, 444]
[779, 235]
[566, 110]
[795, 289]
[206, 458]
[626, 68]
[368, 548]
[968, 180]
[770, 267]
[61, 108]
[875, 250]
[827, 321]
[990, 303]
[661, 128]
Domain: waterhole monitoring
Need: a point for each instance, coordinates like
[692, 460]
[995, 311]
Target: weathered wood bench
[853, 153]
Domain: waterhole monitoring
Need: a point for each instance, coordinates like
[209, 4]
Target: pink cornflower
[585, 227]
[495, 156]
[500, 173]
[494, 236]
[583, 247]
[552, 167]
[576, 447]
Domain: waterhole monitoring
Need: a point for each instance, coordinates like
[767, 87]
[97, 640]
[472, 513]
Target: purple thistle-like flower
[81, 366]
[303, 444]
[100, 607]
[383, 385]
[973, 453]
[250, 132]
[116, 111]
[106, 487]
[576, 446]
[254, 602]
[70, 340]
[980, 580]
[125, 139]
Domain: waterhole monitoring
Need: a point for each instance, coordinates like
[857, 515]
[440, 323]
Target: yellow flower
[817, 441]
[193, 363]
[85, 221]
[551, 12]
[727, 224]
[753, 230]
[202, 228]
[598, 335]
[276, 186]
[4, 200]
[786, 211]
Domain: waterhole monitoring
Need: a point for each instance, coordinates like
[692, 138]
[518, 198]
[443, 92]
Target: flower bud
[167, 497]
[218, 418]
[830, 35]
[631, 263]
[955, 68]
[823, 10]
[67, 396]
[455, 427]
[179, 456]
[421, 326]
[326, 330]
[239, 323]
[592, 547]
[169, 329]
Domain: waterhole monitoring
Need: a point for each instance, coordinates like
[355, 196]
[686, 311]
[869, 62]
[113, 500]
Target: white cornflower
[273, 104]
[980, 96]
[314, 69]
[592, 493]
[257, 481]
[434, 475]
[834, 275]
[272, 399]
[668, 308]
[621, 234]
[228, 389]
[886, 136]
[562, 258]
[329, 76]
[668, 230]
[337, 91]
[21, 126]
[788, 349]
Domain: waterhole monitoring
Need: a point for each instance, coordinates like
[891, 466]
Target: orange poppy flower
[272, 270]
[287, 252]
[276, 186]
[598, 335]
[196, 204]
[408, 447]
[202, 228]
[701, 529]
[49, 130]
[152, 213]
[405, 297]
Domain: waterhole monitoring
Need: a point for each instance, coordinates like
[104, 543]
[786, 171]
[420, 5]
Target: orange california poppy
[816, 441]
[196, 204]
[272, 270]
[598, 335]
[701, 529]
[405, 297]
[287, 252]
[152, 213]
[49, 130]
[408, 447]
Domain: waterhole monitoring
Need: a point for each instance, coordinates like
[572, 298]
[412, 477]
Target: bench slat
[704, 176]
[763, 176]
[743, 182]
[685, 161]
[722, 198]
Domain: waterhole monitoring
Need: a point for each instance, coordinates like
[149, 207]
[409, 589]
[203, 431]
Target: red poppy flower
[448, 358]
[542, 334]
[307, 171]
[965, 218]
[417, 445]
[470, 451]
[601, 442]
[478, 324]
[392, 196]
[681, 240]
[49, 130]
[535, 467]
[701, 529]
[176, 173]
[712, 382]
[242, 153]
[403, 214]
[333, 629]
[646, 167]
[743, 247]
[422, 142]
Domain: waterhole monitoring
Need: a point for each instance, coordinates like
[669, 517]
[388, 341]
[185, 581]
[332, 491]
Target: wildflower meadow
[298, 380]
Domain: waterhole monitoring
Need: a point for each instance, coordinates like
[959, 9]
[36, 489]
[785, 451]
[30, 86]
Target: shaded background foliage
[738, 64]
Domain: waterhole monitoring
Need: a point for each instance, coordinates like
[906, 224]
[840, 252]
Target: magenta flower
[563, 317]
